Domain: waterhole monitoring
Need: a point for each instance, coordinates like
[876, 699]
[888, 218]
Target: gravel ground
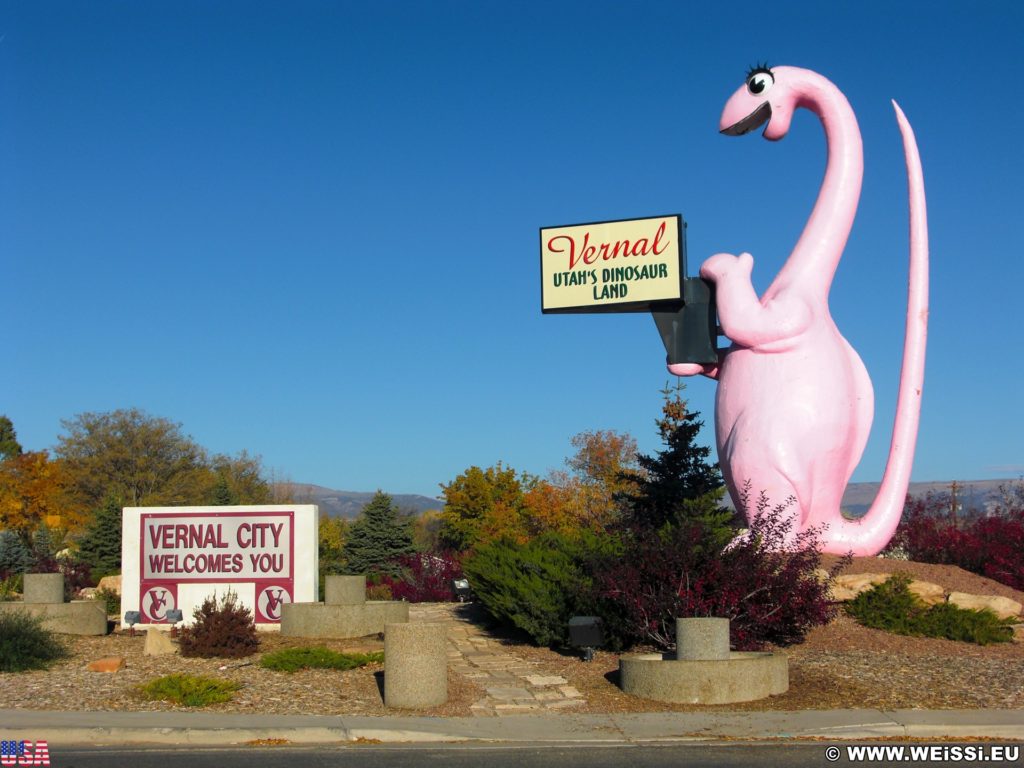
[842, 665]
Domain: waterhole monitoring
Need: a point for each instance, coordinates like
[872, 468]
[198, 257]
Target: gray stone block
[415, 665]
[43, 588]
[702, 639]
[80, 617]
[345, 590]
[340, 621]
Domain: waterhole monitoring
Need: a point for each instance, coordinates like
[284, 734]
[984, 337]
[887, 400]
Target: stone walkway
[513, 685]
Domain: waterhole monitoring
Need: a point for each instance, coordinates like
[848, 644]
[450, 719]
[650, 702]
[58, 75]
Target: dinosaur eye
[760, 81]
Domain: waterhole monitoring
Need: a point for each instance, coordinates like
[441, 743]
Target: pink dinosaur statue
[794, 403]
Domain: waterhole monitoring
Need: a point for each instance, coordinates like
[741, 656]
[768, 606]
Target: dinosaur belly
[788, 423]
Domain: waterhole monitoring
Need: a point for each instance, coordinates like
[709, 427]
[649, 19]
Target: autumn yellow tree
[332, 534]
[553, 507]
[143, 460]
[35, 490]
[484, 504]
[587, 495]
[426, 531]
[603, 470]
[239, 479]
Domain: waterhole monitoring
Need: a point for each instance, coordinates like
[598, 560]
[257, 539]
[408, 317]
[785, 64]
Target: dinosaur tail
[870, 534]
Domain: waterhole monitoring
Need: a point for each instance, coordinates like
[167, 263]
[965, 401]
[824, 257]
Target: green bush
[294, 659]
[890, 606]
[221, 629]
[10, 587]
[378, 592]
[537, 586]
[893, 607]
[189, 690]
[111, 601]
[25, 644]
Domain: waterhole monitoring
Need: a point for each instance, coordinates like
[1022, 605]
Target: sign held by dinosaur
[794, 403]
[631, 265]
[612, 266]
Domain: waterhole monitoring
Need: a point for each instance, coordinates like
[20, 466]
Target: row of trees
[638, 539]
[105, 461]
[634, 538]
[606, 483]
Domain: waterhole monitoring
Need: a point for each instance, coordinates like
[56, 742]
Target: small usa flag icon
[10, 751]
[16, 753]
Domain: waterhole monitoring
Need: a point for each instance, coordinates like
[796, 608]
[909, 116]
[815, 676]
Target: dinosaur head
[769, 95]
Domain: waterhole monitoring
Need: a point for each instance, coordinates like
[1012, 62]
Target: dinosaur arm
[744, 318]
[695, 369]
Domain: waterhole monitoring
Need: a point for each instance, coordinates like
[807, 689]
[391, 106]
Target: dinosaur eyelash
[758, 68]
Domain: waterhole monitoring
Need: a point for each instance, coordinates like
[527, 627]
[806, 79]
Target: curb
[178, 728]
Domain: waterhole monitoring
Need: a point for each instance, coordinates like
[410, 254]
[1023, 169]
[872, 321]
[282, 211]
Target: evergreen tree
[377, 538]
[678, 485]
[9, 445]
[14, 555]
[100, 547]
[222, 495]
[43, 548]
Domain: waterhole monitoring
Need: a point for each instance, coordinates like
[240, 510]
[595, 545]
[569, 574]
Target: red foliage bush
[770, 593]
[425, 578]
[991, 546]
[223, 629]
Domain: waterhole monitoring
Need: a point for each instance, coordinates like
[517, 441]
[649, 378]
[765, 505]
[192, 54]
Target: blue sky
[309, 229]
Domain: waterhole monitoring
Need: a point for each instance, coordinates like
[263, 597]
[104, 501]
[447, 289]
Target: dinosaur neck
[812, 265]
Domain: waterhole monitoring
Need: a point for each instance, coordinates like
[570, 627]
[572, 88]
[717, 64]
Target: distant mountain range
[977, 496]
[349, 503]
[973, 495]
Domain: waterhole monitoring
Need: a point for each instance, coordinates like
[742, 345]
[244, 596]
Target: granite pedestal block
[79, 617]
[345, 590]
[703, 670]
[415, 665]
[43, 588]
[340, 621]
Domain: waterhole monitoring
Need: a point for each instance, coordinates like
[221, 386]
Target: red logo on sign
[156, 603]
[271, 599]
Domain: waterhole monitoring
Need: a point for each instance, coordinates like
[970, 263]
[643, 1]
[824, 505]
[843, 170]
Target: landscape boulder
[927, 592]
[112, 583]
[1003, 607]
[848, 586]
[158, 643]
[107, 664]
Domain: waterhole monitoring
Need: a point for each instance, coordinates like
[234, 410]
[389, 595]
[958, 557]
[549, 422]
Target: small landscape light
[586, 633]
[174, 616]
[461, 589]
[132, 618]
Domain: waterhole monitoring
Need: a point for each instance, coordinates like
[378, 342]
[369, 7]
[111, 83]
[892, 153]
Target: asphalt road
[583, 756]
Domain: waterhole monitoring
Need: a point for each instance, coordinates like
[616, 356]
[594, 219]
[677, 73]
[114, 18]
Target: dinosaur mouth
[755, 119]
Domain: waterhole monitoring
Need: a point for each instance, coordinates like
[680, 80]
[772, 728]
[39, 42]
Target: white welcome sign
[176, 557]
